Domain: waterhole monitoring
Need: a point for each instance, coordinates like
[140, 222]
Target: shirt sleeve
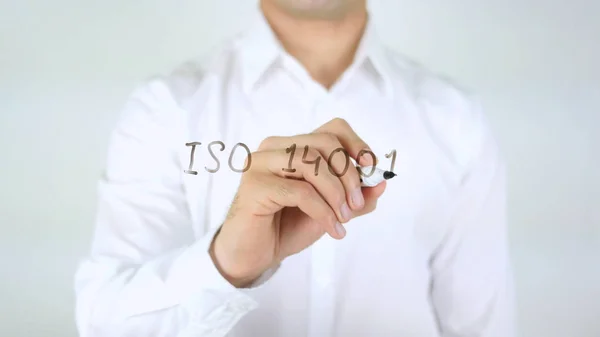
[472, 290]
[148, 273]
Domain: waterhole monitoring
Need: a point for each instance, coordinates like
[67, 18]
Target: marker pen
[377, 177]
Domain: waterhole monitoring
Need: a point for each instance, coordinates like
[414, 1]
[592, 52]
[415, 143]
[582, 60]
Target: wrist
[217, 254]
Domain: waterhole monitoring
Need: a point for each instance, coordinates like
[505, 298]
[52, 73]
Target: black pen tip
[388, 175]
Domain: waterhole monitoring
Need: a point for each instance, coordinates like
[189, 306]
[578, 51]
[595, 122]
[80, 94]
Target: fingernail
[340, 229]
[346, 212]
[357, 198]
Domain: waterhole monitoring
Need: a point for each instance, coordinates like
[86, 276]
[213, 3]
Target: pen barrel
[372, 179]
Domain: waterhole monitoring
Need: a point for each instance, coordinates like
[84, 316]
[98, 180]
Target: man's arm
[472, 280]
[147, 274]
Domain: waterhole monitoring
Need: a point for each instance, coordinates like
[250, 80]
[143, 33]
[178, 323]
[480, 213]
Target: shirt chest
[231, 128]
[389, 247]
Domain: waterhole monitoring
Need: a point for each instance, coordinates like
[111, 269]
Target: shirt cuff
[213, 304]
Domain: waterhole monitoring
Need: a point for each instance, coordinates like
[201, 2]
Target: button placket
[324, 110]
[322, 299]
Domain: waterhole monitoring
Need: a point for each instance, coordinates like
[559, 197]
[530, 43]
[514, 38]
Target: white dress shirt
[431, 260]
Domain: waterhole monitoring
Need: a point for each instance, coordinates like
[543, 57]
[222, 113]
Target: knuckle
[339, 199]
[295, 189]
[339, 121]
[330, 139]
[304, 189]
[283, 189]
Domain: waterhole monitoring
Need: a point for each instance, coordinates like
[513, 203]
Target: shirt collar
[259, 49]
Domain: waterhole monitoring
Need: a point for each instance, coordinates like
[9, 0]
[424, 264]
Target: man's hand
[277, 213]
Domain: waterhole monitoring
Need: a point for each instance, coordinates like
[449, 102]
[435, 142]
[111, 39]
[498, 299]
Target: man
[283, 240]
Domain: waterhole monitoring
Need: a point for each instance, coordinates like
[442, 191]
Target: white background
[67, 66]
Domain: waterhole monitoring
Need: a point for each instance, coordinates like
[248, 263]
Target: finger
[277, 162]
[333, 154]
[349, 140]
[372, 195]
[276, 192]
[374, 192]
